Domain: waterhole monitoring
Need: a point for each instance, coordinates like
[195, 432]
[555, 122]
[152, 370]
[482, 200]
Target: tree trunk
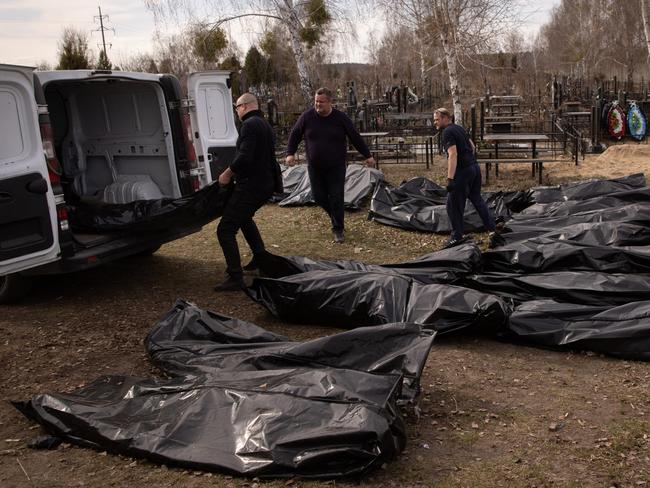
[294, 27]
[646, 27]
[423, 65]
[450, 49]
[305, 82]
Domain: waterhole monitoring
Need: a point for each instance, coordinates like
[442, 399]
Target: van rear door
[28, 220]
[213, 122]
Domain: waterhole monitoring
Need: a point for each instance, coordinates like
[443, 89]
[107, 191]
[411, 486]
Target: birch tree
[466, 30]
[304, 21]
[646, 27]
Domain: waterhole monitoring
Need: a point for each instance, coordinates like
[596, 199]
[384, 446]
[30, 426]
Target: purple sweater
[324, 137]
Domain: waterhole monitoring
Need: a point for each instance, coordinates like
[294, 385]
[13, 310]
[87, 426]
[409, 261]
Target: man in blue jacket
[325, 130]
[463, 176]
[256, 175]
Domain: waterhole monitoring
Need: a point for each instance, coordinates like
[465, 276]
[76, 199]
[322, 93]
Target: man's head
[323, 102]
[245, 104]
[441, 118]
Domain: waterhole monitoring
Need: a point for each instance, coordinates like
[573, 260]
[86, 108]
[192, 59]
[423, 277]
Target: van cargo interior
[113, 140]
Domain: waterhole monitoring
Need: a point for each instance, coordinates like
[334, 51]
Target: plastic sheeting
[248, 401]
[197, 209]
[519, 230]
[573, 207]
[586, 287]
[443, 266]
[419, 204]
[585, 246]
[359, 183]
[583, 190]
[564, 212]
[543, 254]
[614, 330]
[373, 294]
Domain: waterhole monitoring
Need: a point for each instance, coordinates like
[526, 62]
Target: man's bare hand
[225, 177]
[370, 162]
[290, 161]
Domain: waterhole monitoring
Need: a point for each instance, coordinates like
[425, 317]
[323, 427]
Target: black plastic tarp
[583, 190]
[419, 204]
[189, 340]
[359, 183]
[443, 266]
[573, 207]
[543, 254]
[193, 210]
[519, 229]
[585, 287]
[345, 298]
[247, 401]
[622, 330]
[591, 251]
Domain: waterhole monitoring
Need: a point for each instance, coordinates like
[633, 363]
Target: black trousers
[467, 185]
[238, 214]
[328, 189]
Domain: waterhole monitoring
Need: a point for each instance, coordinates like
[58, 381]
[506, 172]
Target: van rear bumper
[118, 248]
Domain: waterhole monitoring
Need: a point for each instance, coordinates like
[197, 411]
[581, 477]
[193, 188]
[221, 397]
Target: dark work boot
[338, 236]
[258, 260]
[252, 265]
[230, 284]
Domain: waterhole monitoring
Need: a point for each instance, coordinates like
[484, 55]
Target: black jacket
[326, 137]
[255, 165]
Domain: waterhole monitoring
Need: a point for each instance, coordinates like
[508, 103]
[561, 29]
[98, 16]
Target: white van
[102, 136]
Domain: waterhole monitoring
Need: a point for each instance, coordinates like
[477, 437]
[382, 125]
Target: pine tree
[255, 67]
[103, 62]
[73, 50]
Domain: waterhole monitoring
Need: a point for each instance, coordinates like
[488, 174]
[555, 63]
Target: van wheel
[148, 252]
[14, 287]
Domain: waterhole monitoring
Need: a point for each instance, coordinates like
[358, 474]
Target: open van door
[213, 122]
[28, 216]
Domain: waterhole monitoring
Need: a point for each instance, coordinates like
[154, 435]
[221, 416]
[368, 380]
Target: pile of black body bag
[570, 272]
[244, 400]
[420, 204]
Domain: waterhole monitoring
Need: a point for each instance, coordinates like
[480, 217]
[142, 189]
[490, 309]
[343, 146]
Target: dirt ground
[492, 414]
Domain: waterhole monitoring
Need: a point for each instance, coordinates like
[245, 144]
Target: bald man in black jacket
[256, 175]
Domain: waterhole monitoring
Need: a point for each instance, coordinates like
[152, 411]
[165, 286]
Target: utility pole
[102, 29]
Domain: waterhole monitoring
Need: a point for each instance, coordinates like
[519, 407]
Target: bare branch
[223, 20]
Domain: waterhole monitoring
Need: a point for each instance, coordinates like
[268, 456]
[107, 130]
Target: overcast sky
[31, 29]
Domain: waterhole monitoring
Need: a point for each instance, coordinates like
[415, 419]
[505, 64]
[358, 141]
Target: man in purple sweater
[324, 130]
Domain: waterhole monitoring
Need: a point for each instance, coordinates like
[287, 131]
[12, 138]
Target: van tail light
[62, 214]
[53, 167]
[190, 152]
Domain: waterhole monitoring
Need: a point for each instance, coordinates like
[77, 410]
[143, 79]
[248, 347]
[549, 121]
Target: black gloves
[450, 185]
